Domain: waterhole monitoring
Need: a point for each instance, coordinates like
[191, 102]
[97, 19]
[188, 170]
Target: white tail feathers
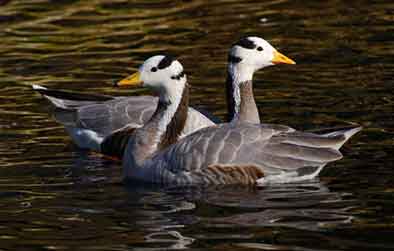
[38, 87]
[59, 103]
[69, 100]
[85, 138]
[289, 177]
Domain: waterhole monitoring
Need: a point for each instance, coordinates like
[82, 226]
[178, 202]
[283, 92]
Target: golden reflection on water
[54, 196]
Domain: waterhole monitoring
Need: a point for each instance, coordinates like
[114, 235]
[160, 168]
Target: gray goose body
[241, 153]
[231, 153]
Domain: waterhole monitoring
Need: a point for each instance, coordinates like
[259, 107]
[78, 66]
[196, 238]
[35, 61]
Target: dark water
[55, 197]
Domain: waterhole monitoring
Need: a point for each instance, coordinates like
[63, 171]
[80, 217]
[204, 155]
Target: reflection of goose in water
[150, 216]
[308, 205]
[168, 221]
[161, 216]
[175, 238]
[232, 153]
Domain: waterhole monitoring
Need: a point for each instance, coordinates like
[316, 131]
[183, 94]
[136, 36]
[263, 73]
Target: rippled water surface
[56, 197]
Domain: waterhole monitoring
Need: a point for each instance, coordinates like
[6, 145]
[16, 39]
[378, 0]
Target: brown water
[56, 197]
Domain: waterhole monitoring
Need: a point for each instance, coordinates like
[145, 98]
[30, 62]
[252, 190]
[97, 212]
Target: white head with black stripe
[163, 74]
[250, 54]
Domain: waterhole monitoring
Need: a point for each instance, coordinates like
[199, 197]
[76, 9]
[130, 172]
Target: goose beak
[279, 58]
[132, 80]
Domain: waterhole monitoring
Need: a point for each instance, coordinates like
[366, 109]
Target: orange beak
[279, 58]
[132, 80]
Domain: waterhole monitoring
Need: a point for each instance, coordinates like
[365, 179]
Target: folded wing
[271, 149]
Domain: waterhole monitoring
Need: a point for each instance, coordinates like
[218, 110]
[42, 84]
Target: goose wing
[105, 114]
[105, 118]
[277, 127]
[70, 100]
[102, 114]
[236, 147]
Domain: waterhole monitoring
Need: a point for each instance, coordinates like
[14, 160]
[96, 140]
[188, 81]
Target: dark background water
[56, 197]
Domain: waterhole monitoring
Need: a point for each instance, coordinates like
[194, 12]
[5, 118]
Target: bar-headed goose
[246, 56]
[231, 153]
[91, 118]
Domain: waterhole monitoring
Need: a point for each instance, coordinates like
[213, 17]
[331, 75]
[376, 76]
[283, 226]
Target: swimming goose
[230, 153]
[90, 118]
[246, 56]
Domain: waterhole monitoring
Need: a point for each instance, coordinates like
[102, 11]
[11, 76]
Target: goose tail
[67, 104]
[345, 133]
[66, 100]
[85, 138]
[302, 156]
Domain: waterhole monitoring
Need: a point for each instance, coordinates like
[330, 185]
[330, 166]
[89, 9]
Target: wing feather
[270, 150]
[110, 116]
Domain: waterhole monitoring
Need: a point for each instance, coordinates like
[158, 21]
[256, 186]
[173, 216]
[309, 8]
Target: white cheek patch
[243, 62]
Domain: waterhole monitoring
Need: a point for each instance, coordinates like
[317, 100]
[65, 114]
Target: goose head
[163, 74]
[251, 54]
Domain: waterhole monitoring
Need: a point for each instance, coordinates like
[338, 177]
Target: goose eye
[259, 48]
[154, 69]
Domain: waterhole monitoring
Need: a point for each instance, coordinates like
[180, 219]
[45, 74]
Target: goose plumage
[104, 123]
[238, 152]
[91, 119]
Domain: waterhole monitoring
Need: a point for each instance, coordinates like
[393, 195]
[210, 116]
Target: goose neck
[162, 130]
[240, 99]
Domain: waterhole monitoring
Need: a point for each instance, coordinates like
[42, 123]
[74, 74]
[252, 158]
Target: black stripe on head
[234, 59]
[165, 62]
[246, 43]
[179, 76]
